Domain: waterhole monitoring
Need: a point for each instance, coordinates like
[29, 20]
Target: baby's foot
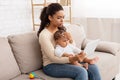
[94, 60]
[85, 65]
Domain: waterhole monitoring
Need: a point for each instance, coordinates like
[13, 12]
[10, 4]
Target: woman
[51, 20]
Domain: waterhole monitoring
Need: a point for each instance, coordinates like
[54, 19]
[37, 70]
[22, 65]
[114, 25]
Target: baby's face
[62, 41]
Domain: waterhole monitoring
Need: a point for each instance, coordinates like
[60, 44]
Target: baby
[65, 48]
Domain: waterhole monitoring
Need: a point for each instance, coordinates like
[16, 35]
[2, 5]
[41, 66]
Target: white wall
[101, 18]
[15, 17]
[96, 8]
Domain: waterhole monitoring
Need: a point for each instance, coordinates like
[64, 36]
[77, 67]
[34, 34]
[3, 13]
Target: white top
[69, 49]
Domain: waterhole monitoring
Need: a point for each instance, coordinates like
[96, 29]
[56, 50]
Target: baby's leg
[77, 63]
[91, 61]
[85, 65]
[81, 57]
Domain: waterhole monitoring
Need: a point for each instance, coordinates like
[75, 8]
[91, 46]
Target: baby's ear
[56, 41]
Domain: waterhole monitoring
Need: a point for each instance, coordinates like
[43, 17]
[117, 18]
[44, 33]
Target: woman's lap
[70, 71]
[93, 72]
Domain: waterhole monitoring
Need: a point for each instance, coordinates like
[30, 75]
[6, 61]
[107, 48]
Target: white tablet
[91, 46]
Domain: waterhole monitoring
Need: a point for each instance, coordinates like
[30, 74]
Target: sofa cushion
[22, 77]
[107, 63]
[77, 33]
[110, 47]
[27, 51]
[105, 46]
[40, 76]
[8, 64]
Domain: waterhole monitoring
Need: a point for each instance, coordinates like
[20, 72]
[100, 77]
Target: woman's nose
[62, 20]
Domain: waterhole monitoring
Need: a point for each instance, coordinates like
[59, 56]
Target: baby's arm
[69, 37]
[61, 53]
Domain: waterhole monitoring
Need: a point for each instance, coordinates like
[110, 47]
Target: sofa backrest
[78, 33]
[26, 48]
[27, 51]
[8, 64]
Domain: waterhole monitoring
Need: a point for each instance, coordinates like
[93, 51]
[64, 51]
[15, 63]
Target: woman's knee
[82, 72]
[93, 68]
[94, 73]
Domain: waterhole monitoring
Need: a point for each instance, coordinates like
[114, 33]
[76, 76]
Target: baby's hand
[67, 55]
[82, 53]
[70, 55]
[68, 36]
[73, 58]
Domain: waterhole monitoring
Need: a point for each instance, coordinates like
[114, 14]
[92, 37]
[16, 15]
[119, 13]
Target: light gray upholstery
[25, 54]
[105, 46]
[27, 51]
[40, 76]
[106, 63]
[8, 64]
[77, 33]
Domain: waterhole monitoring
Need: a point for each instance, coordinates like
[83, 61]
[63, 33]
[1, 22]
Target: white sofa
[21, 54]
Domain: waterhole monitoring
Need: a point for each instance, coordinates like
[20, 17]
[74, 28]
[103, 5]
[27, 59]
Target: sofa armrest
[105, 46]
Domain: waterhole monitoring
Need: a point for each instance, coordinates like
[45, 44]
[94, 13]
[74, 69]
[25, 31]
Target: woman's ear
[50, 18]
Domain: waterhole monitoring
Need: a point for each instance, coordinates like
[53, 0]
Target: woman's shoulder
[44, 32]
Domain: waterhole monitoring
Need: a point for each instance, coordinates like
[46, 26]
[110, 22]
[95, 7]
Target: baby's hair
[58, 34]
[62, 28]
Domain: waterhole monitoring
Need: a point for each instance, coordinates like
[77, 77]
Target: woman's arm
[48, 48]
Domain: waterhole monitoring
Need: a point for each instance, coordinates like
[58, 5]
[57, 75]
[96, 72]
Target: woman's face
[57, 19]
